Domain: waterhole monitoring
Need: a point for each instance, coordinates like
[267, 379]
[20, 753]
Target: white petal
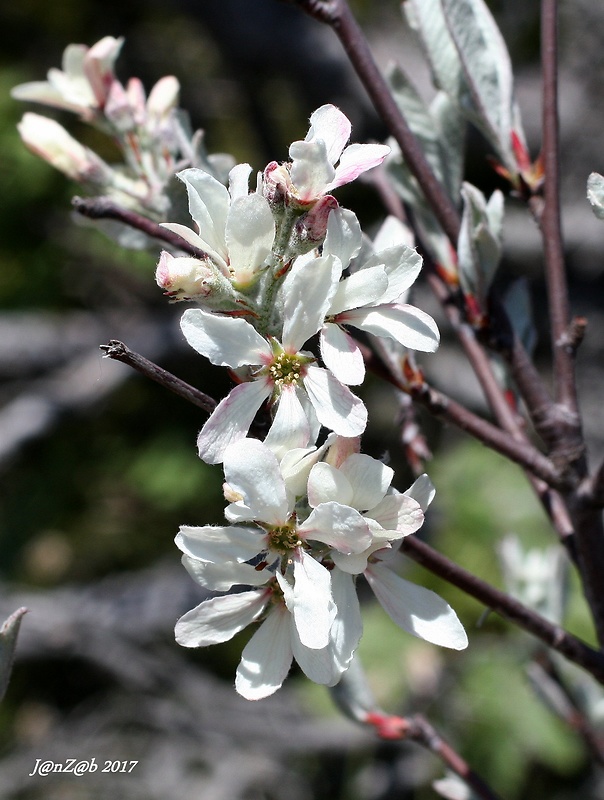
[290, 428]
[335, 405]
[392, 233]
[296, 465]
[347, 627]
[359, 289]
[422, 490]
[309, 295]
[341, 355]
[327, 483]
[220, 618]
[231, 419]
[320, 665]
[266, 658]
[332, 127]
[192, 238]
[222, 577]
[312, 606]
[369, 479]
[404, 323]
[398, 513]
[402, 264]
[311, 169]
[226, 341]
[239, 181]
[250, 231]
[344, 236]
[356, 159]
[417, 610]
[338, 526]
[220, 543]
[251, 469]
[355, 563]
[208, 205]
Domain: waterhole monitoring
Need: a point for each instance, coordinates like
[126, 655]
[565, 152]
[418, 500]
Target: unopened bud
[118, 109]
[163, 97]
[185, 278]
[310, 230]
[98, 66]
[49, 140]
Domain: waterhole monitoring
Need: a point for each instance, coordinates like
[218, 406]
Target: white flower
[267, 657]
[235, 228]
[303, 391]
[313, 171]
[322, 626]
[372, 298]
[363, 483]
[82, 85]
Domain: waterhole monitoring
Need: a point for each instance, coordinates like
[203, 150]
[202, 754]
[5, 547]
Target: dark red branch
[119, 352]
[554, 636]
[104, 208]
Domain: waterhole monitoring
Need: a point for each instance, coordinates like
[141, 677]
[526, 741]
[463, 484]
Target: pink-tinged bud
[341, 449]
[138, 100]
[163, 97]
[276, 183]
[312, 226]
[118, 109]
[49, 140]
[98, 66]
[184, 278]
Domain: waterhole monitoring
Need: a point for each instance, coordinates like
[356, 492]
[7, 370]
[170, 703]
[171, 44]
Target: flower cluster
[281, 267]
[151, 133]
[281, 278]
[303, 527]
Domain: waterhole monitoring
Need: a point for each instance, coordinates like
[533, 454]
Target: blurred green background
[98, 468]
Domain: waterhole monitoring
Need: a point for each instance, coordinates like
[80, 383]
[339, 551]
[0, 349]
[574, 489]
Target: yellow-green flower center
[285, 369]
[284, 538]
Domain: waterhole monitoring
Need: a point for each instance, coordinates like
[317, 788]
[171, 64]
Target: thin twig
[119, 352]
[563, 353]
[104, 208]
[554, 636]
[422, 731]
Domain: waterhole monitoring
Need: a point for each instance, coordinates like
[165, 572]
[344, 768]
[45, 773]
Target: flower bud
[98, 66]
[187, 278]
[49, 140]
[163, 97]
[118, 109]
[310, 230]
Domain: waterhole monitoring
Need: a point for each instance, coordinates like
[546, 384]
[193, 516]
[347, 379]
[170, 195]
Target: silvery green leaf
[8, 641]
[408, 189]
[427, 18]
[595, 193]
[418, 117]
[487, 69]
[452, 127]
[479, 245]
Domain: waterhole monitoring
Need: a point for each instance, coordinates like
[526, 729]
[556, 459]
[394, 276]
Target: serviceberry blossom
[83, 85]
[372, 297]
[312, 172]
[235, 228]
[279, 370]
[312, 619]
